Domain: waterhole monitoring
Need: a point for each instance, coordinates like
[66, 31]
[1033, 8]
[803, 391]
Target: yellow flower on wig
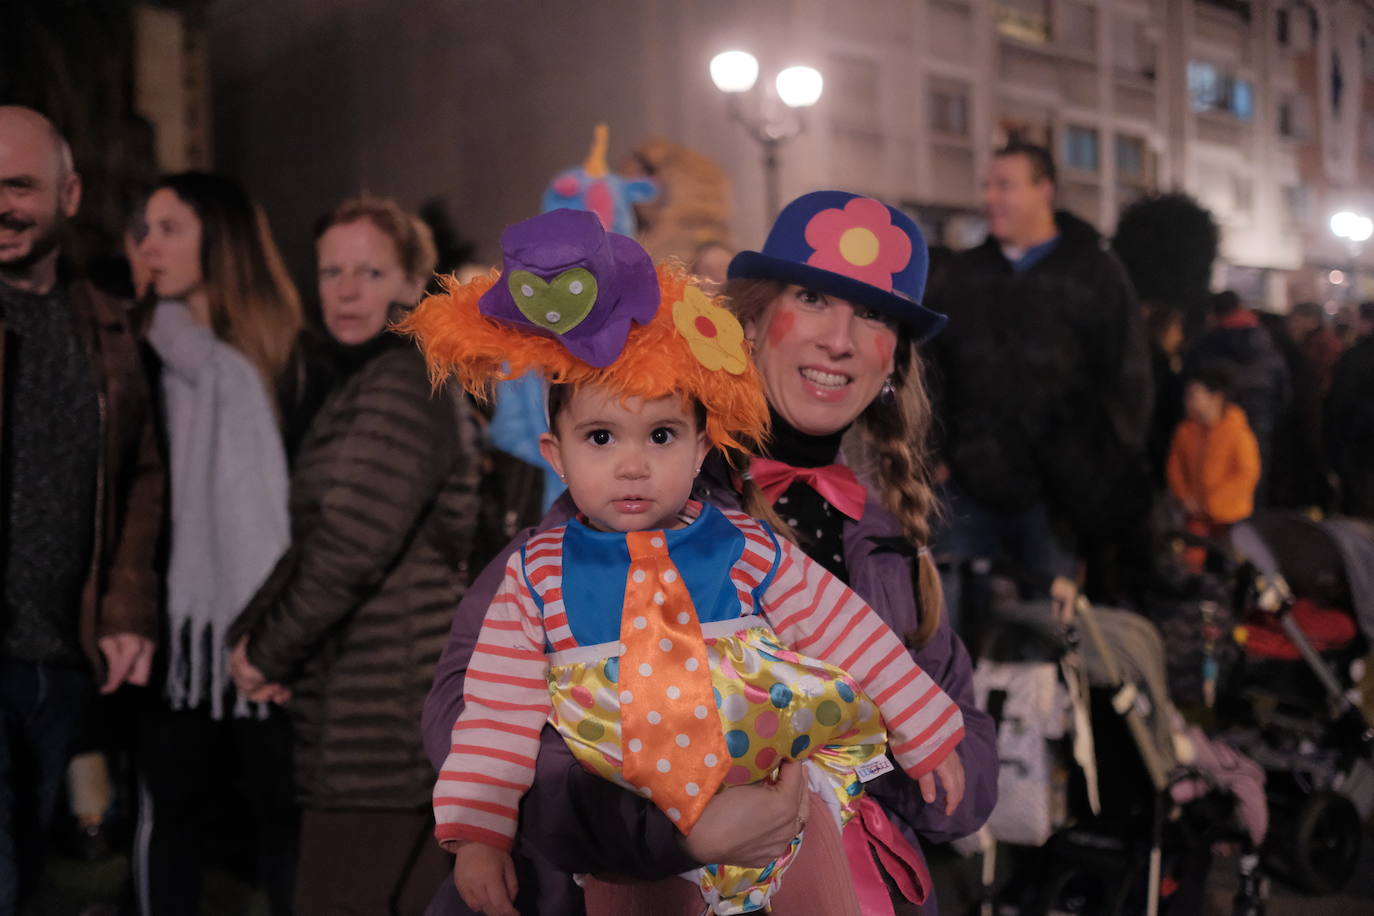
[657, 360]
[715, 336]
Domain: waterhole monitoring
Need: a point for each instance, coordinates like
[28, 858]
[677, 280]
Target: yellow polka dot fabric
[771, 704]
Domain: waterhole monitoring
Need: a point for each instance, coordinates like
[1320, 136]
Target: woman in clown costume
[677, 648]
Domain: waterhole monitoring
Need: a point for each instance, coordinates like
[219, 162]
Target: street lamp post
[1355, 229]
[735, 73]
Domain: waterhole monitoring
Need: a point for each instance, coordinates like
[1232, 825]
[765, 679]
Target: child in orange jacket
[1214, 463]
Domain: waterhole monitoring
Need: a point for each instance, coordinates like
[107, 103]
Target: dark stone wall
[73, 61]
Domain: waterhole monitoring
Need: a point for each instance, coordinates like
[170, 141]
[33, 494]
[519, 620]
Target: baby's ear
[703, 447]
[553, 453]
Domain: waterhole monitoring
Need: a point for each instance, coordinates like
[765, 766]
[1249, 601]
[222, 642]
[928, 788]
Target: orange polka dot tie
[672, 744]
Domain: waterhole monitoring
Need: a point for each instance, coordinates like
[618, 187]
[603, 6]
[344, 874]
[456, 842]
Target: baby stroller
[1107, 836]
[1290, 702]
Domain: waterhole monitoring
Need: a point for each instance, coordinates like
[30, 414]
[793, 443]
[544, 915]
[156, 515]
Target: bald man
[81, 490]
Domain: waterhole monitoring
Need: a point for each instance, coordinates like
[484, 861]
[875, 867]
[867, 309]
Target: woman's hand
[751, 825]
[250, 681]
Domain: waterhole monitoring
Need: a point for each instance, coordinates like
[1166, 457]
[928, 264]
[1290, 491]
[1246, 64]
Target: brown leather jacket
[122, 590]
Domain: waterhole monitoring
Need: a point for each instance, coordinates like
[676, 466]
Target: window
[1240, 7]
[1288, 127]
[1023, 130]
[949, 104]
[1077, 27]
[1024, 20]
[1134, 48]
[1212, 89]
[1130, 159]
[1133, 169]
[1337, 83]
[1281, 27]
[1080, 148]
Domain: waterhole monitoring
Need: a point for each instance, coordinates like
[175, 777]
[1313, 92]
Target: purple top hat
[564, 276]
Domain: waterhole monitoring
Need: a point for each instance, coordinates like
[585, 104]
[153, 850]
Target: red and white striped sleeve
[491, 761]
[816, 614]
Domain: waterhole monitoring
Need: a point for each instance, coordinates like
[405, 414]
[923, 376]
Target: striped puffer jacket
[353, 618]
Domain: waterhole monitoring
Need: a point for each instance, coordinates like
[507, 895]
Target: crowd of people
[277, 536]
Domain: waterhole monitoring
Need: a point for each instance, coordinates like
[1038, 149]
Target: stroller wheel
[1318, 851]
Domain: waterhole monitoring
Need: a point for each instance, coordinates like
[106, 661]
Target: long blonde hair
[253, 304]
[894, 431]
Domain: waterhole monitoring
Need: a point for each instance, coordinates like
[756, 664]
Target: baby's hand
[485, 878]
[950, 772]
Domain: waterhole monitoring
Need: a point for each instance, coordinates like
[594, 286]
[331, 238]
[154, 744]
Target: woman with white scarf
[223, 328]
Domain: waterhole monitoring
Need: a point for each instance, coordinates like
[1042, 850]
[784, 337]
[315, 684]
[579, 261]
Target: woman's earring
[889, 391]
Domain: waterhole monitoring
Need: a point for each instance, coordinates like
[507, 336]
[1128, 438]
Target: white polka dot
[552, 317]
[526, 290]
[674, 814]
[701, 712]
[673, 693]
[645, 670]
[792, 522]
[659, 598]
[626, 696]
[640, 623]
[735, 707]
[684, 618]
[782, 500]
[666, 645]
[691, 664]
[655, 542]
[663, 765]
[710, 760]
[683, 740]
[575, 287]
[654, 718]
[819, 534]
[692, 788]
[756, 897]
[636, 745]
[670, 576]
[639, 575]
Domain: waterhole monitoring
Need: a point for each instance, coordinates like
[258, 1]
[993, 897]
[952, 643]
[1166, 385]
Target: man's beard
[43, 245]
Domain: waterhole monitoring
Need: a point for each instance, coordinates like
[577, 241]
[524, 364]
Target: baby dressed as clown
[677, 647]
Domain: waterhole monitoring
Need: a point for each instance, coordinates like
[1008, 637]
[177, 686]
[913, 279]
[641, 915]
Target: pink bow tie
[835, 482]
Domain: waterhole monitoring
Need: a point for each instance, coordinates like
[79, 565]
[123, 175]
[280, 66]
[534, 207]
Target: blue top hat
[852, 247]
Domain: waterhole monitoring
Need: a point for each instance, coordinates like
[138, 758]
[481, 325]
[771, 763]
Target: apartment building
[1263, 110]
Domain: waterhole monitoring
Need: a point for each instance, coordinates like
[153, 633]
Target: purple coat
[574, 821]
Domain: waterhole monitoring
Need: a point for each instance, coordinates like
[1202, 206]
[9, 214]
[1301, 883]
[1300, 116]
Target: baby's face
[629, 466]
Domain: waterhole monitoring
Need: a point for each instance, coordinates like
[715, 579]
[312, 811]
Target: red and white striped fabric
[492, 758]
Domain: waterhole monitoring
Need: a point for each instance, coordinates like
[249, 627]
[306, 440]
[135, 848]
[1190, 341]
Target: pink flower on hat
[859, 241]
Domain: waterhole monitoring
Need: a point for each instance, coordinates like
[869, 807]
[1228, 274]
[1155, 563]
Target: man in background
[1042, 382]
[81, 490]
